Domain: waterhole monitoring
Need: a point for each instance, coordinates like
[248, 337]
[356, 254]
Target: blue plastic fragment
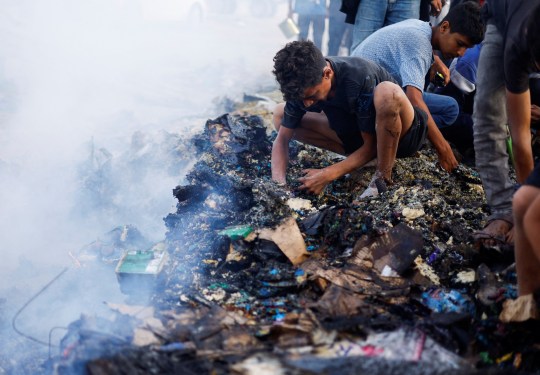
[444, 301]
[279, 316]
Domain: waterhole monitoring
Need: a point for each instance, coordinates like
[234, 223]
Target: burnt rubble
[263, 278]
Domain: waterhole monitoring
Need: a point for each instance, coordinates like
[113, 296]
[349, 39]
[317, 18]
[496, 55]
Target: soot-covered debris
[264, 278]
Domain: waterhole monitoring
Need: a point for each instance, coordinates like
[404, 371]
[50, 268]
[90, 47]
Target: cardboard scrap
[288, 238]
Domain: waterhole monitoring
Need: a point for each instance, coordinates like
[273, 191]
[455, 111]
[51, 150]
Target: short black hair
[465, 19]
[533, 34]
[297, 66]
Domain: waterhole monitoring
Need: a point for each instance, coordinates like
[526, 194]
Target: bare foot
[495, 233]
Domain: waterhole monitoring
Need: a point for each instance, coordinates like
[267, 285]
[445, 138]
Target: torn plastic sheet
[402, 344]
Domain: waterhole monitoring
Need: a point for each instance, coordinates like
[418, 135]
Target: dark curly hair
[533, 34]
[465, 18]
[297, 66]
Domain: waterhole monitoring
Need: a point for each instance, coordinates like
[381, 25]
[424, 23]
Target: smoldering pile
[263, 277]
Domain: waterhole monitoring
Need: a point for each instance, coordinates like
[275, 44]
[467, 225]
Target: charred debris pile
[266, 279]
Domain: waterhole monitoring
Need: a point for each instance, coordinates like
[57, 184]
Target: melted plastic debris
[237, 303]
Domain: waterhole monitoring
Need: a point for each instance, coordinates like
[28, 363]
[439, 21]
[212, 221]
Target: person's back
[403, 49]
[406, 50]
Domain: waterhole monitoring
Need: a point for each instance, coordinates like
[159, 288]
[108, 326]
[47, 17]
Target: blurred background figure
[310, 13]
[374, 14]
[339, 32]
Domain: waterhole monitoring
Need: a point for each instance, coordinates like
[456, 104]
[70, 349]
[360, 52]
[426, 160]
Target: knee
[387, 97]
[277, 117]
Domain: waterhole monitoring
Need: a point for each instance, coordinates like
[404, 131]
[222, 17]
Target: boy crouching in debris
[347, 105]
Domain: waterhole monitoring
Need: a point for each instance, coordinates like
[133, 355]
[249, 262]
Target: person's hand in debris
[447, 159]
[314, 180]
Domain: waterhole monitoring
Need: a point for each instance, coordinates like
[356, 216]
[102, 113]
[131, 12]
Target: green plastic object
[147, 262]
[237, 232]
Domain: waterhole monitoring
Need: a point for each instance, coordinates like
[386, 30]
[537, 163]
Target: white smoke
[90, 87]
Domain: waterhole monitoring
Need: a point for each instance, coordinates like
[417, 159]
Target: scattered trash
[260, 281]
[444, 301]
[289, 239]
[520, 309]
[138, 270]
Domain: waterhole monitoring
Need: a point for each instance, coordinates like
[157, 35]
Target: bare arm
[280, 154]
[436, 6]
[444, 151]
[439, 66]
[519, 117]
[316, 180]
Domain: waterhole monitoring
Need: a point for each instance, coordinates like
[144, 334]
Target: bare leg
[394, 118]
[314, 130]
[526, 206]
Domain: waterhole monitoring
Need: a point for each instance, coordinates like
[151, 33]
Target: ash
[388, 285]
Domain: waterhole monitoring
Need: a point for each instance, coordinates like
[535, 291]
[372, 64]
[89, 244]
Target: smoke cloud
[95, 97]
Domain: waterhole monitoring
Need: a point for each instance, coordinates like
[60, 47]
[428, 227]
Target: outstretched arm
[519, 117]
[444, 151]
[280, 154]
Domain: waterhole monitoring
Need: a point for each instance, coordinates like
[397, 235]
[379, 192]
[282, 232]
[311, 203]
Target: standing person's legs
[490, 135]
[317, 24]
[400, 10]
[369, 18]
[444, 109]
[336, 27]
[336, 31]
[303, 26]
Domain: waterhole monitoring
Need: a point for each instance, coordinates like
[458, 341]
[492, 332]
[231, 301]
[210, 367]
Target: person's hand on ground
[314, 180]
[447, 159]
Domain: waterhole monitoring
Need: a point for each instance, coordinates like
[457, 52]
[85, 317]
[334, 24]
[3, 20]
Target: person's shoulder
[351, 62]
